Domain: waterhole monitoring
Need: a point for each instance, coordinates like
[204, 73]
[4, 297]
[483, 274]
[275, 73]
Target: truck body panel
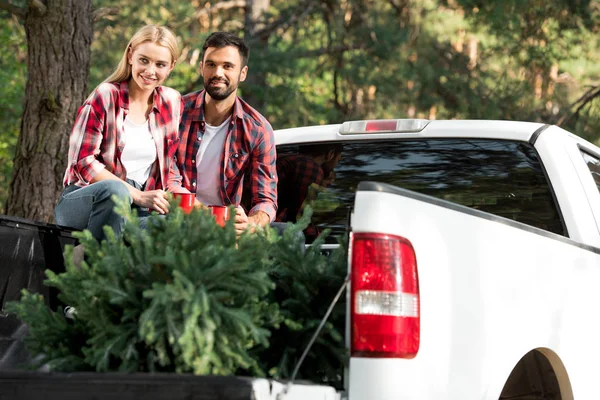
[491, 290]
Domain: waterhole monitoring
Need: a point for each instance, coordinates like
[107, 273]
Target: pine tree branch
[104, 12]
[287, 21]
[37, 6]
[584, 100]
[11, 8]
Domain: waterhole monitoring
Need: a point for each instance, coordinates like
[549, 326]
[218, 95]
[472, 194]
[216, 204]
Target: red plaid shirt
[96, 142]
[249, 151]
[296, 173]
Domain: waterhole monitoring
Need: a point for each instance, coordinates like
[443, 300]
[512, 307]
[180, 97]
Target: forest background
[312, 62]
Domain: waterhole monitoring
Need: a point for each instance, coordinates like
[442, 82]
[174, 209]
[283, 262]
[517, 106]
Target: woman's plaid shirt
[96, 142]
[249, 153]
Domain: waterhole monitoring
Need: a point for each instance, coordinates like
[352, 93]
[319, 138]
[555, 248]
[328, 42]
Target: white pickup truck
[474, 257]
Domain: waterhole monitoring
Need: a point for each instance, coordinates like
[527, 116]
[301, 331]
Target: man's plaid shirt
[249, 154]
[96, 142]
[297, 173]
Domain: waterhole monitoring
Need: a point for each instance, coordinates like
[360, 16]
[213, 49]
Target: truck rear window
[504, 178]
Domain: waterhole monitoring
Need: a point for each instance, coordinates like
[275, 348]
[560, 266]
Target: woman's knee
[108, 188]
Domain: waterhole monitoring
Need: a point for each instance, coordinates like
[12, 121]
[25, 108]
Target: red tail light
[384, 303]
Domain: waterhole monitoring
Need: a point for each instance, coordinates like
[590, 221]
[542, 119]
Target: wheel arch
[539, 374]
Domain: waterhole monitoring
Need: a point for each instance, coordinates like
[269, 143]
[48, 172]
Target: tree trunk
[256, 80]
[59, 36]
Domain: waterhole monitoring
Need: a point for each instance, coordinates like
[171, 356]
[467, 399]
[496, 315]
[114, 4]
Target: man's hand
[242, 222]
[155, 200]
[260, 219]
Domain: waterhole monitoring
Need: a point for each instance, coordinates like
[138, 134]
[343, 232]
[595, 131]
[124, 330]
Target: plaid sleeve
[263, 173]
[85, 141]
[174, 181]
[306, 173]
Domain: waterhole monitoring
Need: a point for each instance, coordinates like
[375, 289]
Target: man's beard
[219, 93]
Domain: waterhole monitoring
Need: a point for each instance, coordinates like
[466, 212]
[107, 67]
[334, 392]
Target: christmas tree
[187, 295]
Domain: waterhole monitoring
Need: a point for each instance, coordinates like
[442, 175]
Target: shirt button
[236, 155]
[194, 183]
[193, 161]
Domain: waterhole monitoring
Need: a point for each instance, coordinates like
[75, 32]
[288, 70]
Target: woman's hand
[240, 221]
[199, 205]
[155, 200]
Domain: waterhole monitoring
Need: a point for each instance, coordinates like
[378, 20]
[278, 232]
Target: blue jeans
[91, 207]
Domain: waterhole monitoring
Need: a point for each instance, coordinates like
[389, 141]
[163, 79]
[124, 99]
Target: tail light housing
[385, 310]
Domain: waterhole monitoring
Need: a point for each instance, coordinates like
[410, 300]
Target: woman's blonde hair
[160, 35]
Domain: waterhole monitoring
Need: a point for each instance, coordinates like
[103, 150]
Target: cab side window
[593, 164]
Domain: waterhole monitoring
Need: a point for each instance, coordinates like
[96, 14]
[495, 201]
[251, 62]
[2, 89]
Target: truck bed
[27, 249]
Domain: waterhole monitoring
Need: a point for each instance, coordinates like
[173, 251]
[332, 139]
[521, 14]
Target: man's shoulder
[297, 161]
[298, 169]
[303, 159]
[189, 100]
[253, 116]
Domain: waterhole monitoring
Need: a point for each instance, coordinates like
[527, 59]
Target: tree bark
[59, 35]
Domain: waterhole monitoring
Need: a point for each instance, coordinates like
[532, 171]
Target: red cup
[221, 214]
[185, 201]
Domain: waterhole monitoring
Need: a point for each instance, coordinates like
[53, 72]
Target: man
[302, 176]
[224, 141]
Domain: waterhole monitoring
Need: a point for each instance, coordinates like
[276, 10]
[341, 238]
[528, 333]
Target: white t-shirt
[207, 164]
[139, 152]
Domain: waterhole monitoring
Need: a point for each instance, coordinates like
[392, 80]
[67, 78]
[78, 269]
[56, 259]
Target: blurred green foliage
[13, 56]
[326, 61]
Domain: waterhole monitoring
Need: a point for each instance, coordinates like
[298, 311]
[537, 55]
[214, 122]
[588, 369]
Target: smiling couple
[137, 139]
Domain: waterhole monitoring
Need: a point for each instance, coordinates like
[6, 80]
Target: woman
[124, 138]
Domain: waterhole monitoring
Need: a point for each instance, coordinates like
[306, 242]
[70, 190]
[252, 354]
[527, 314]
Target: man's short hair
[224, 39]
[320, 149]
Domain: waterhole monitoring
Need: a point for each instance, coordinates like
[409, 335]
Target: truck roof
[509, 130]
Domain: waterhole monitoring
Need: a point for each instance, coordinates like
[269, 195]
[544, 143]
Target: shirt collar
[238, 109]
[124, 97]
[158, 100]
[123, 94]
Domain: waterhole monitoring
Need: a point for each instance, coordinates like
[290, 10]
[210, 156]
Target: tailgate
[489, 291]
